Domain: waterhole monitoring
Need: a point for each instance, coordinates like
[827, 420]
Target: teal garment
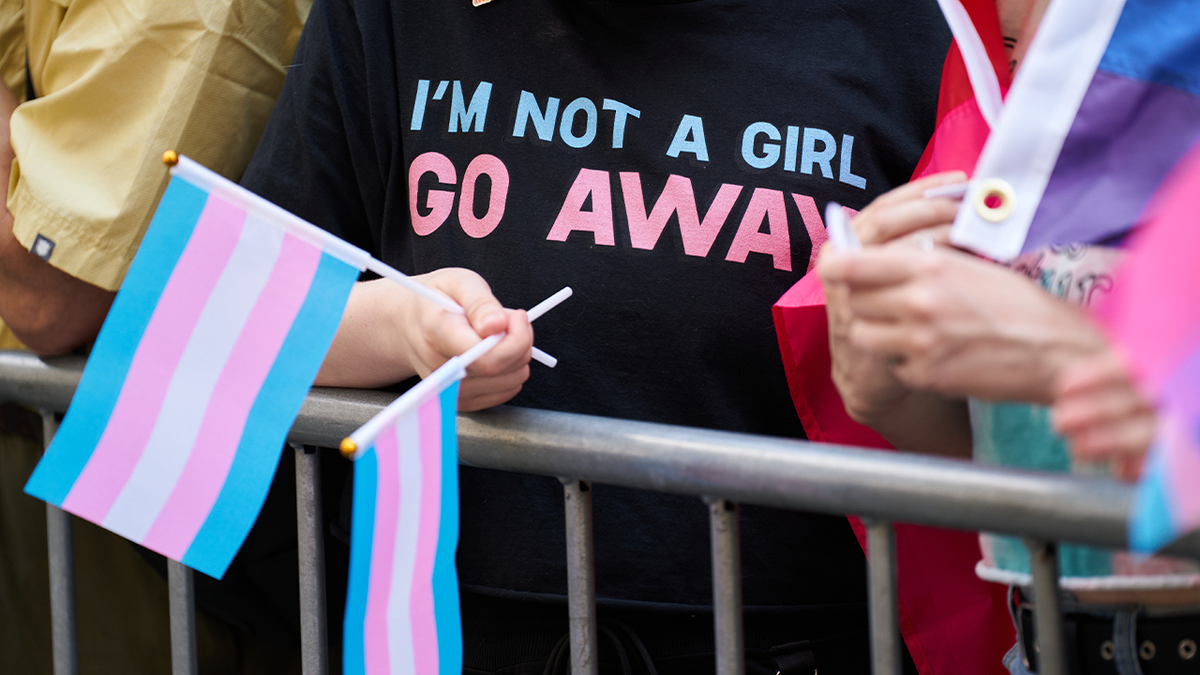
[1019, 435]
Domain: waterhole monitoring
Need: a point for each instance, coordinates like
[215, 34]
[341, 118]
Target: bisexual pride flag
[402, 612]
[1154, 315]
[209, 349]
[1105, 103]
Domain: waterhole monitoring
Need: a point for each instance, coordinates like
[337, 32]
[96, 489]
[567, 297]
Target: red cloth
[953, 622]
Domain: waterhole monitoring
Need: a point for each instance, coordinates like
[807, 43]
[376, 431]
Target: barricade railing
[724, 469]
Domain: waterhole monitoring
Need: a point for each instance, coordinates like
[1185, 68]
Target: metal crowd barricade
[724, 469]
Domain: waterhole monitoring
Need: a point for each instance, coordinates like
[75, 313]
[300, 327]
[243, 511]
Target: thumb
[483, 311]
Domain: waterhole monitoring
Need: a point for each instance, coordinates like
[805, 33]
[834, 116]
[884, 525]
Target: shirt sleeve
[118, 84]
[327, 153]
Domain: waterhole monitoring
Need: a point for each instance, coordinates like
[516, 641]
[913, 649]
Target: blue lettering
[528, 111]
[689, 137]
[566, 127]
[418, 115]
[810, 156]
[461, 115]
[623, 112]
[770, 150]
[844, 174]
[789, 151]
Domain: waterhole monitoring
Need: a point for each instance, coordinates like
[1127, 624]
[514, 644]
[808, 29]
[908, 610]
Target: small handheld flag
[1153, 315]
[402, 603]
[208, 351]
[1106, 101]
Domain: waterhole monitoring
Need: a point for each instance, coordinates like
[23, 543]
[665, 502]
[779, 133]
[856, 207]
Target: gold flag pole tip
[348, 448]
[170, 158]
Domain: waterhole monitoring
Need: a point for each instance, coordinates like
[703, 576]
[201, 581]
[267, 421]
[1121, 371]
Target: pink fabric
[150, 372]
[425, 642]
[387, 507]
[235, 393]
[953, 623]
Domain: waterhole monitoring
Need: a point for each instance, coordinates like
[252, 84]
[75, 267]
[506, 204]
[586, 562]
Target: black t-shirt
[667, 161]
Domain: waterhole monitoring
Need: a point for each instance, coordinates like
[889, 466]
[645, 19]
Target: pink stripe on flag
[387, 506]
[1183, 462]
[424, 623]
[217, 440]
[162, 343]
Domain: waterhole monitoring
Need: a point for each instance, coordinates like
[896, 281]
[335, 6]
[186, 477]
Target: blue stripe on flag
[1151, 525]
[270, 417]
[362, 533]
[165, 240]
[1157, 41]
[445, 578]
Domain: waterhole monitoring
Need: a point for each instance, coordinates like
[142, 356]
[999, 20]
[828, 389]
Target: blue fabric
[270, 417]
[366, 483]
[445, 577]
[1019, 435]
[1157, 41]
[166, 238]
[1151, 526]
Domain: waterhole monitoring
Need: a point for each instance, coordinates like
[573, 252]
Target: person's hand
[867, 386]
[1103, 415]
[389, 334]
[870, 391]
[904, 212]
[948, 322]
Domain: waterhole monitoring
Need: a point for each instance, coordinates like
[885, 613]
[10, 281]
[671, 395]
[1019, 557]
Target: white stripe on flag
[975, 57]
[173, 437]
[404, 556]
[1038, 113]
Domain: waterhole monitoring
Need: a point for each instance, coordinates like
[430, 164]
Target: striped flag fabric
[1154, 315]
[1106, 101]
[209, 349]
[402, 612]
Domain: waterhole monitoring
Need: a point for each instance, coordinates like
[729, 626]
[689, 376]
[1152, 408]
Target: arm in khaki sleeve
[50, 311]
[116, 85]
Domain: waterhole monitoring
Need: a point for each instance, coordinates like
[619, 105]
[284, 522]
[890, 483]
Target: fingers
[880, 266]
[905, 210]
[484, 312]
[897, 220]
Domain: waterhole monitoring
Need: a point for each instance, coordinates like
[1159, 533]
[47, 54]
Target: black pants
[517, 637]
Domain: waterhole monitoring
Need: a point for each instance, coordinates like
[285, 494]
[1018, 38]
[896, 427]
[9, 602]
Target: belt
[1120, 642]
[16, 420]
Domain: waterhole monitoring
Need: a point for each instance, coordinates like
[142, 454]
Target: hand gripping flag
[402, 603]
[952, 622]
[1106, 102]
[208, 352]
[1153, 314]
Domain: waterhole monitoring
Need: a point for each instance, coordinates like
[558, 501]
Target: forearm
[369, 351]
[924, 422]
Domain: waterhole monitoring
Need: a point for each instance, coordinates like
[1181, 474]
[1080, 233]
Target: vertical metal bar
[314, 634]
[65, 647]
[727, 585]
[581, 577]
[182, 598]
[885, 623]
[1047, 609]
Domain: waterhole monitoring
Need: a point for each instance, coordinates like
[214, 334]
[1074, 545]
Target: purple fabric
[1125, 139]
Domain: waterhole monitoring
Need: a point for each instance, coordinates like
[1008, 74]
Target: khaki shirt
[117, 83]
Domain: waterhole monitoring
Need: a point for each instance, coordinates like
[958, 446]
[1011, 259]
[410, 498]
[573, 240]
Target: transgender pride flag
[402, 605]
[1105, 103]
[218, 331]
[1153, 313]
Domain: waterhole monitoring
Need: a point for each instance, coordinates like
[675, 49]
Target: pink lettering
[439, 202]
[677, 197]
[815, 225]
[494, 169]
[776, 242]
[572, 217]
